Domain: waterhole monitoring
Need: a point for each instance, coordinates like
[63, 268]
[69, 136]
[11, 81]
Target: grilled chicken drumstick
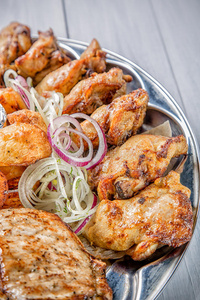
[120, 119]
[131, 167]
[159, 215]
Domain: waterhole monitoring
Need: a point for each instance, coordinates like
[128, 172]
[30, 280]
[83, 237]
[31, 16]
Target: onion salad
[55, 186]
[49, 108]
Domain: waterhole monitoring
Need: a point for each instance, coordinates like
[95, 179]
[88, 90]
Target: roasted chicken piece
[120, 119]
[3, 189]
[94, 57]
[23, 144]
[15, 40]
[38, 57]
[131, 167]
[41, 258]
[11, 100]
[159, 215]
[95, 91]
[27, 116]
[65, 78]
[12, 171]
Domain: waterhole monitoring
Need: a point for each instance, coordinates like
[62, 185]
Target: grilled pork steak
[41, 258]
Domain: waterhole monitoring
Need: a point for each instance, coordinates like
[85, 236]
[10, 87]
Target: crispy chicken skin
[23, 144]
[3, 189]
[41, 258]
[131, 167]
[12, 171]
[120, 119]
[27, 116]
[95, 91]
[159, 215]
[94, 57]
[65, 78]
[11, 100]
[39, 56]
[57, 60]
[15, 40]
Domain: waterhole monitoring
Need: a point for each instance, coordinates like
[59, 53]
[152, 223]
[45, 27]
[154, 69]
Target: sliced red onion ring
[22, 81]
[101, 152]
[80, 227]
[67, 153]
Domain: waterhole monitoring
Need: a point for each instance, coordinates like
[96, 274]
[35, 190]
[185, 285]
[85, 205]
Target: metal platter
[131, 280]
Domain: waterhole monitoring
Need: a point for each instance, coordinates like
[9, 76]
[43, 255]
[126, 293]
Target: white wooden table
[161, 36]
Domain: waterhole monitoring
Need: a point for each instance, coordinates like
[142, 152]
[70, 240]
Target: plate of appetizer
[99, 173]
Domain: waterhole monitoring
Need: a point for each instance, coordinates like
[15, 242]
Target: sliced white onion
[49, 108]
[72, 200]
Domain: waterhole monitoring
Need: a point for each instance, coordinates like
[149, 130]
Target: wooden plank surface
[160, 36]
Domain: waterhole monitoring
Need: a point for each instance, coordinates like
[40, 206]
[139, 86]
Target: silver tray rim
[67, 42]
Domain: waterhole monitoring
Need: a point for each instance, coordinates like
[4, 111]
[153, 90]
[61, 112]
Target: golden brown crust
[139, 161]
[118, 120]
[22, 144]
[11, 100]
[29, 117]
[39, 57]
[66, 77]
[161, 214]
[15, 40]
[12, 172]
[63, 79]
[93, 92]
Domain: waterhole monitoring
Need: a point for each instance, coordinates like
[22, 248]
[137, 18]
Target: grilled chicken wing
[159, 215]
[27, 116]
[12, 171]
[64, 79]
[120, 119]
[94, 57]
[38, 57]
[22, 144]
[11, 100]
[95, 91]
[41, 258]
[129, 168]
[14, 41]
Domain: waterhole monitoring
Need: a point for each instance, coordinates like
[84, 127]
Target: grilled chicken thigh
[41, 258]
[131, 167]
[95, 91]
[159, 215]
[38, 57]
[22, 144]
[15, 40]
[120, 119]
[64, 79]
